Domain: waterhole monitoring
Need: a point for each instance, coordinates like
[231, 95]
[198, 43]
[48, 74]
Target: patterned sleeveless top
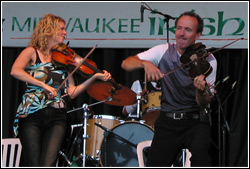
[34, 98]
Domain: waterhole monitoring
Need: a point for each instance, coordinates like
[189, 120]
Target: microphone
[142, 11]
[225, 79]
[234, 84]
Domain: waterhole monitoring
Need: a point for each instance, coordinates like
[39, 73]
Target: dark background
[234, 102]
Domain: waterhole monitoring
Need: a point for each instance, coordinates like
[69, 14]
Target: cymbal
[121, 96]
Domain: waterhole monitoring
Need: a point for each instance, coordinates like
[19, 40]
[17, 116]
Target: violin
[196, 55]
[63, 56]
[109, 92]
[189, 60]
[198, 64]
[193, 60]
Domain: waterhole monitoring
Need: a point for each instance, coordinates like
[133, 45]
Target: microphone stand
[223, 127]
[166, 16]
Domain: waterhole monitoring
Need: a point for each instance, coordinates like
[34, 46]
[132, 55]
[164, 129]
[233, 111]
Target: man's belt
[185, 115]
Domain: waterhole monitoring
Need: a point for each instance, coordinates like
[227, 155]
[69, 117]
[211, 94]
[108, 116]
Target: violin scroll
[64, 49]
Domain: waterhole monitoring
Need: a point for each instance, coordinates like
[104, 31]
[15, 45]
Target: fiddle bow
[186, 64]
[194, 59]
[76, 68]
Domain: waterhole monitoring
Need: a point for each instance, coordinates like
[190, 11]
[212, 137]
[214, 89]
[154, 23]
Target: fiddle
[204, 55]
[64, 56]
[200, 50]
[111, 92]
[198, 64]
[193, 59]
[196, 55]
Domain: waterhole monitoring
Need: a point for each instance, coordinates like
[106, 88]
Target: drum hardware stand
[138, 103]
[106, 100]
[110, 132]
[85, 136]
[71, 150]
[138, 98]
[85, 118]
[65, 157]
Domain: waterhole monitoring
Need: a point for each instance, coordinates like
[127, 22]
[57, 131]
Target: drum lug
[142, 121]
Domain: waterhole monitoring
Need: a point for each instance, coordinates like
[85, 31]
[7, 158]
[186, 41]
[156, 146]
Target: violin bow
[183, 65]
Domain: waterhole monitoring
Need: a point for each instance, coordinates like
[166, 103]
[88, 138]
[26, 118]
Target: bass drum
[116, 152]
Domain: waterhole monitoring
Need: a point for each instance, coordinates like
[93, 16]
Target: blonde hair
[46, 28]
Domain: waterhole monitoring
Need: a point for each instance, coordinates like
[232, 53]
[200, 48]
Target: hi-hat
[120, 95]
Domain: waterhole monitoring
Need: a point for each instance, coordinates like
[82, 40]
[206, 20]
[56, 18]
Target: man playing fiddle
[180, 124]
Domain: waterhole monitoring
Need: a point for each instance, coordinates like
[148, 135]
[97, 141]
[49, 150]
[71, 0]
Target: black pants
[42, 134]
[171, 136]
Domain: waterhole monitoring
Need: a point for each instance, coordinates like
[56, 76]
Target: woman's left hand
[105, 76]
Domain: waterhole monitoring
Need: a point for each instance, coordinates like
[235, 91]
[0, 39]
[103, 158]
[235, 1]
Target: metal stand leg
[138, 104]
[85, 117]
[138, 97]
[222, 128]
[183, 157]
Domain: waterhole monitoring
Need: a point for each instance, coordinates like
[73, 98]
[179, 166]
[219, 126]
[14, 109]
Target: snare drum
[119, 153]
[95, 133]
[151, 109]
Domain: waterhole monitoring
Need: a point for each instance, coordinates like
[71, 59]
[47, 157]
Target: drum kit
[106, 140]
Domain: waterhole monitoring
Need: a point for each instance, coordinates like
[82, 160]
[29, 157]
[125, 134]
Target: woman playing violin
[181, 124]
[41, 119]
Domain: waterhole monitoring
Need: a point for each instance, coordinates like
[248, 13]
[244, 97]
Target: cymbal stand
[138, 98]
[85, 118]
[103, 101]
[138, 104]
